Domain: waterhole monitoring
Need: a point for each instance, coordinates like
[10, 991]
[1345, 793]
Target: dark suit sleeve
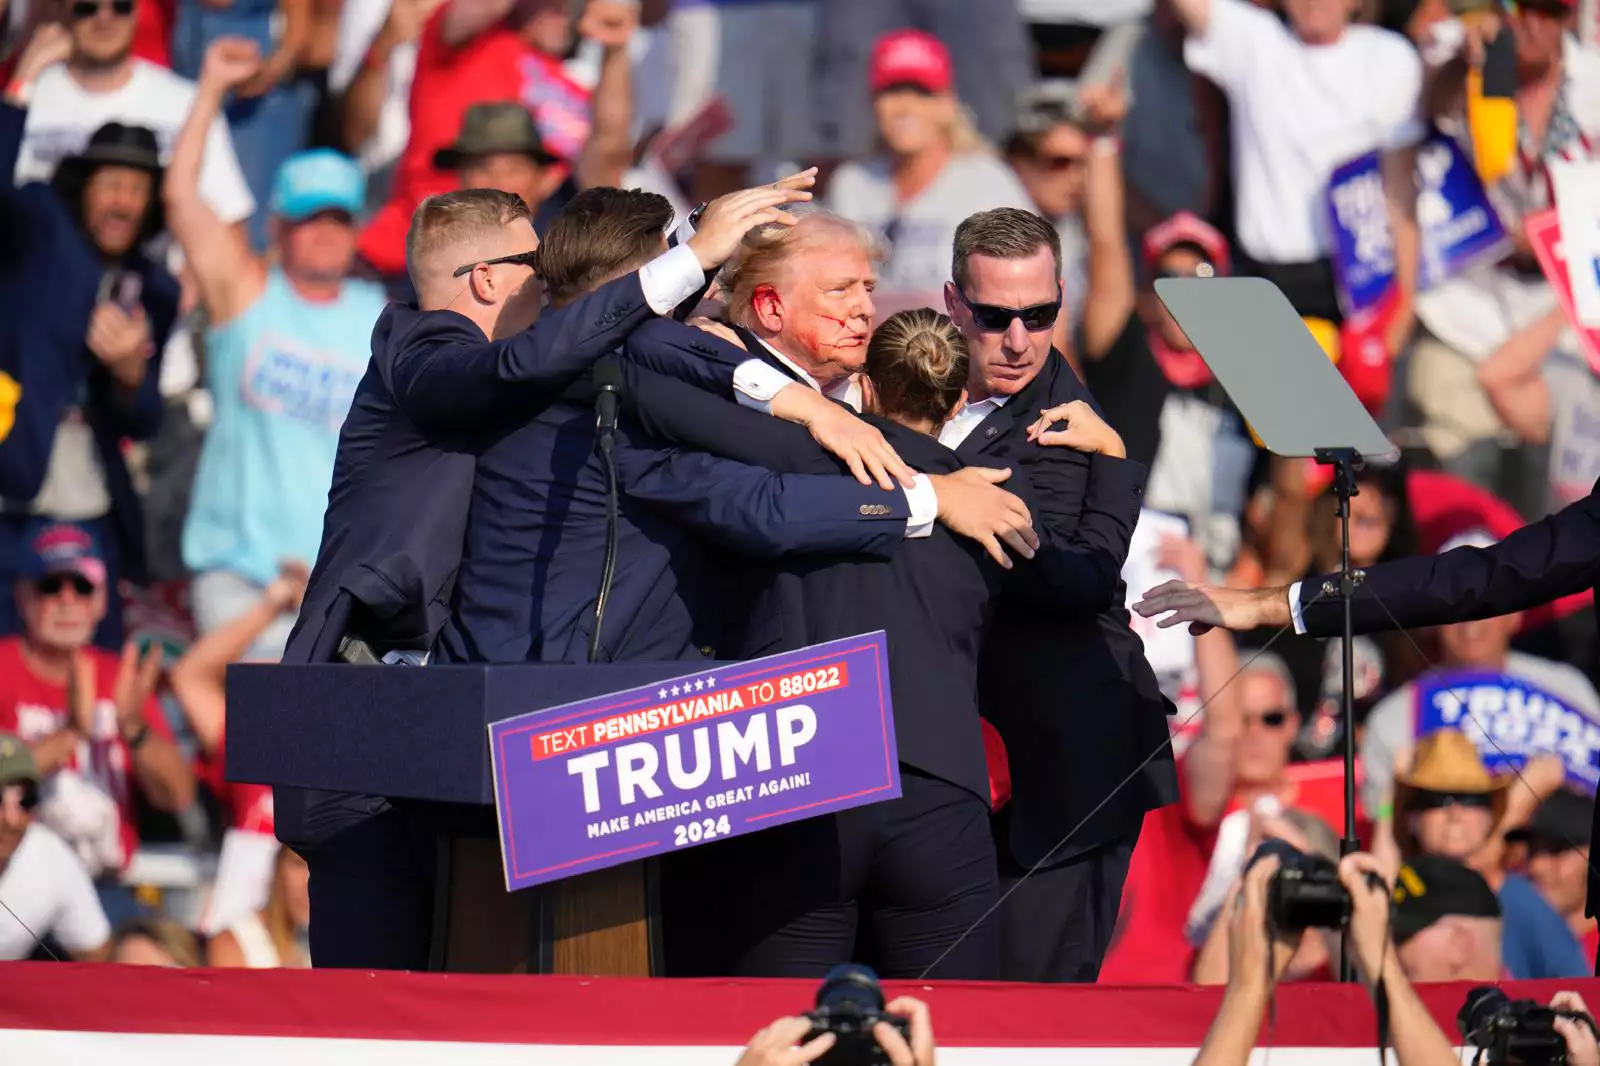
[1078, 575]
[756, 512]
[450, 387]
[675, 412]
[689, 354]
[1545, 560]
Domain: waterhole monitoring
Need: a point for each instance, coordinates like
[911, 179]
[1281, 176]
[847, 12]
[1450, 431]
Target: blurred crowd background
[208, 210]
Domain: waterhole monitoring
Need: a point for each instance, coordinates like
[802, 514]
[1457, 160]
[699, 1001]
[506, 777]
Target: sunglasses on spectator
[88, 9]
[52, 584]
[527, 259]
[1269, 719]
[1426, 800]
[1058, 164]
[27, 795]
[992, 318]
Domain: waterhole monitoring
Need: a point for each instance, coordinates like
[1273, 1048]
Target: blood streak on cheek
[842, 324]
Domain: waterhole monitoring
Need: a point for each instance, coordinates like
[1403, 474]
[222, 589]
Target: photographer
[1259, 953]
[779, 1043]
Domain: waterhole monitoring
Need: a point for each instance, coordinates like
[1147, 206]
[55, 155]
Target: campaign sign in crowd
[1510, 720]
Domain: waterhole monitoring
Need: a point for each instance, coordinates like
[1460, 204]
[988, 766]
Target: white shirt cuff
[1294, 608]
[671, 278]
[756, 382]
[924, 507]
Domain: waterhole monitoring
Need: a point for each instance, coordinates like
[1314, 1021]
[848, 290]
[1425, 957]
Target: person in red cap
[992, 59]
[932, 173]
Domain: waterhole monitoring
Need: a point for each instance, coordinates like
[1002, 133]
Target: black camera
[849, 1004]
[1514, 1032]
[1306, 892]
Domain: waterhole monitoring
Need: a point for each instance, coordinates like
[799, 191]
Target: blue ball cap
[318, 180]
[62, 548]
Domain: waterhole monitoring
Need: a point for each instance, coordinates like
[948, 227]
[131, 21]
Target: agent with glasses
[45, 888]
[1077, 704]
[474, 349]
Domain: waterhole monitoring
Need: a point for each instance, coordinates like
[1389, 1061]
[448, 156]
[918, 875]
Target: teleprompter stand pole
[1345, 463]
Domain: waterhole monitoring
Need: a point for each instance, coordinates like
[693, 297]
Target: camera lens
[850, 990]
[1482, 1005]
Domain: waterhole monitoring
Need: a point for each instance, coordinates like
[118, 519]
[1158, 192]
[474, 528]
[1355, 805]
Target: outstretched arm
[230, 276]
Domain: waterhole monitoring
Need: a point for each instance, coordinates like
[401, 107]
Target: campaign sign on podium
[702, 757]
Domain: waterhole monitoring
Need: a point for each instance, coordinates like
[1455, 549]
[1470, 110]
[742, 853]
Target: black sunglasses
[29, 795]
[1057, 164]
[88, 9]
[52, 584]
[527, 259]
[1273, 719]
[1427, 799]
[991, 318]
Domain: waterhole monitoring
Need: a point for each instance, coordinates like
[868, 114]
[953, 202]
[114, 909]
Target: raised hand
[728, 218]
[1205, 607]
[50, 44]
[972, 504]
[136, 682]
[919, 1052]
[1370, 904]
[610, 22]
[230, 62]
[1104, 106]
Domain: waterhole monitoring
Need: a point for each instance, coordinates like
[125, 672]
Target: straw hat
[1445, 761]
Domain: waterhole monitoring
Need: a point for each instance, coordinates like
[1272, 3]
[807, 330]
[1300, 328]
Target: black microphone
[608, 383]
[608, 386]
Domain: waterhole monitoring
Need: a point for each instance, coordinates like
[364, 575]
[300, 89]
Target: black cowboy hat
[114, 145]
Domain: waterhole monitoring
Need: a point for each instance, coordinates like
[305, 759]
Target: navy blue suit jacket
[402, 480]
[1074, 698]
[934, 597]
[536, 540]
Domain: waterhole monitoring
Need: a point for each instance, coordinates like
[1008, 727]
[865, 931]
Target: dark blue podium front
[419, 735]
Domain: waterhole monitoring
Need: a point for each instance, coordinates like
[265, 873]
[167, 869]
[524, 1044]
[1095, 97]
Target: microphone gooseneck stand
[1345, 463]
[608, 376]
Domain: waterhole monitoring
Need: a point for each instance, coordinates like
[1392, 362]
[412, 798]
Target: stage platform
[70, 1014]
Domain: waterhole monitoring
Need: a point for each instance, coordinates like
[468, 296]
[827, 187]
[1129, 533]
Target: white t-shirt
[62, 116]
[922, 231]
[1299, 111]
[46, 886]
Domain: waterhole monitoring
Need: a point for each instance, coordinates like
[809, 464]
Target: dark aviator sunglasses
[992, 318]
[527, 259]
[53, 584]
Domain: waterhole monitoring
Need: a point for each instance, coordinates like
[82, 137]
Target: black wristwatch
[140, 737]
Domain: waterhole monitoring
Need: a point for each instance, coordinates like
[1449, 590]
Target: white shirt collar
[846, 390]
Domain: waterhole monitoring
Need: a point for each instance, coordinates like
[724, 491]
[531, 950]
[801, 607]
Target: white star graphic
[674, 690]
[662, 694]
[698, 685]
[711, 682]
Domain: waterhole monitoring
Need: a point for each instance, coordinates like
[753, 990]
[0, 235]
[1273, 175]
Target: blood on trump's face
[821, 308]
[1004, 361]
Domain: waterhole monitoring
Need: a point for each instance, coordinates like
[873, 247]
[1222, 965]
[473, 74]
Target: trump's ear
[767, 306]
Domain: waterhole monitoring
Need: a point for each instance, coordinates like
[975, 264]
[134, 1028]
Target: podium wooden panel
[419, 735]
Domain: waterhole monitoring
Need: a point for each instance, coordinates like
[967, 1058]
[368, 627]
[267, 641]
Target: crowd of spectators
[208, 211]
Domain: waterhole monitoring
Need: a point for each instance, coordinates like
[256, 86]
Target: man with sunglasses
[46, 890]
[76, 78]
[1077, 704]
[88, 715]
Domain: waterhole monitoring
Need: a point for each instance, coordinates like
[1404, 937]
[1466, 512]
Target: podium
[419, 736]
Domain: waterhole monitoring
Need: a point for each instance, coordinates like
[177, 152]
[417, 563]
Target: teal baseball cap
[318, 180]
